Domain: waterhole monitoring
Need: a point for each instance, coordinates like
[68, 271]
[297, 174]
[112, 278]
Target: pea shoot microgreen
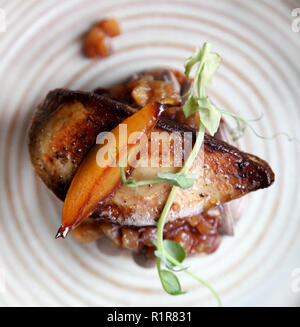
[171, 253]
[180, 180]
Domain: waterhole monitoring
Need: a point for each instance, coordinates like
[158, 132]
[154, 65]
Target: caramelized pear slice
[96, 180]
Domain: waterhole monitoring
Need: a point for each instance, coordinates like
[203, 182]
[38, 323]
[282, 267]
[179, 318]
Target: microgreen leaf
[173, 255]
[175, 250]
[180, 180]
[209, 115]
[207, 62]
[191, 61]
[160, 255]
[212, 62]
[170, 282]
[190, 106]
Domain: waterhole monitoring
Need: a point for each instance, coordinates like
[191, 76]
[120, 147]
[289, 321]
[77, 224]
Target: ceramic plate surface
[40, 49]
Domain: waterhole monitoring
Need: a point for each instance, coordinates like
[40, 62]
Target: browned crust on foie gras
[66, 126]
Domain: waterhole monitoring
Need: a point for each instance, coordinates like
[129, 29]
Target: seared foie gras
[223, 174]
[64, 129]
[66, 126]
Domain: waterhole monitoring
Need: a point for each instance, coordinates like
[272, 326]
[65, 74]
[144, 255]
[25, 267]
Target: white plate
[41, 50]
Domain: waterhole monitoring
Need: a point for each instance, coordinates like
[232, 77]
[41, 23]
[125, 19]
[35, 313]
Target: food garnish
[171, 253]
[94, 181]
